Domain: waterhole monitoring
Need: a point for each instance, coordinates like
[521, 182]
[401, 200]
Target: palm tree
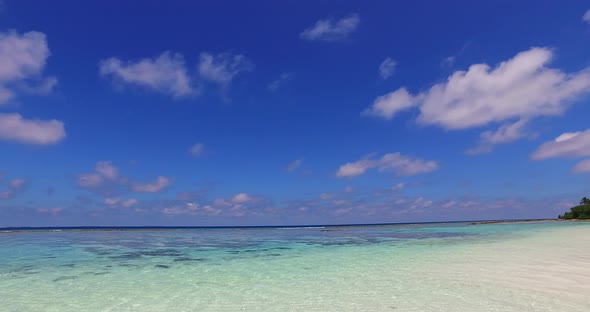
[585, 201]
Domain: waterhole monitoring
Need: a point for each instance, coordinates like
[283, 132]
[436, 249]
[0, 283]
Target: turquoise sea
[420, 267]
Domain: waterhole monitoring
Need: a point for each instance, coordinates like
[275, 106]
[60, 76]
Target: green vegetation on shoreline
[580, 212]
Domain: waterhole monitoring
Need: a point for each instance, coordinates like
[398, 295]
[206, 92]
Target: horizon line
[140, 227]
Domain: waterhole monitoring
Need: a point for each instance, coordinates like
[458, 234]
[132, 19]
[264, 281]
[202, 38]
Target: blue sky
[300, 112]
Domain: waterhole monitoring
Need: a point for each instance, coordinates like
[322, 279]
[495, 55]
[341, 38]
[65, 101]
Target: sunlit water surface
[433, 267]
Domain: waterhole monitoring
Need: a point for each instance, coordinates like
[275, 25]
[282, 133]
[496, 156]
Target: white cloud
[167, 73]
[386, 106]
[22, 60]
[112, 201]
[586, 17]
[506, 133]
[107, 170]
[566, 136]
[449, 204]
[222, 68]
[393, 162]
[520, 88]
[331, 30]
[13, 127]
[325, 196]
[581, 167]
[398, 186]
[188, 208]
[281, 81]
[241, 198]
[118, 202]
[197, 149]
[569, 144]
[221, 202]
[129, 203]
[294, 165]
[103, 170]
[160, 184]
[387, 68]
[89, 180]
[354, 169]
[404, 165]
[192, 209]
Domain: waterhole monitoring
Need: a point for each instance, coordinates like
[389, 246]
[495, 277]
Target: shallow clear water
[434, 267]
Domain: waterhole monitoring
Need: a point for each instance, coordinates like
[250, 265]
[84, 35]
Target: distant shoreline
[9, 230]
[526, 221]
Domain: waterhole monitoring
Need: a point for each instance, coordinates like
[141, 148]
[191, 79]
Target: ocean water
[428, 267]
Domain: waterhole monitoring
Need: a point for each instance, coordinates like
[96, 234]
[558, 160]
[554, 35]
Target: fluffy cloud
[398, 186]
[89, 180]
[331, 30]
[355, 168]
[386, 106]
[188, 208]
[192, 209]
[294, 165]
[387, 68]
[506, 133]
[581, 167]
[129, 203]
[197, 149]
[103, 171]
[159, 185]
[108, 182]
[222, 68]
[586, 17]
[112, 201]
[107, 170]
[22, 60]
[167, 73]
[393, 162]
[567, 145]
[281, 81]
[362, 206]
[516, 90]
[13, 127]
[117, 202]
[241, 198]
[236, 206]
